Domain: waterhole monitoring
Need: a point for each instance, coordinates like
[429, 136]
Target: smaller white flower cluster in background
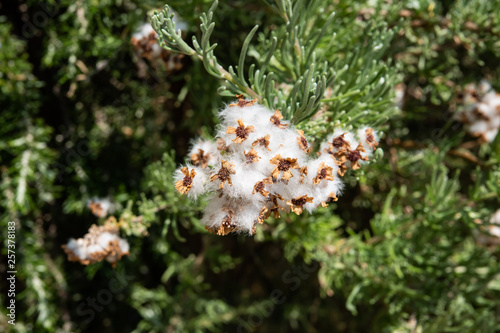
[145, 43]
[481, 112]
[100, 243]
[101, 207]
[489, 235]
[260, 165]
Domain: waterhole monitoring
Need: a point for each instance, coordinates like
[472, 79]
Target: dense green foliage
[83, 116]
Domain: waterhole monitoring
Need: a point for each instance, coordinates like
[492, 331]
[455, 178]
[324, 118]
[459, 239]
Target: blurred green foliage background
[83, 116]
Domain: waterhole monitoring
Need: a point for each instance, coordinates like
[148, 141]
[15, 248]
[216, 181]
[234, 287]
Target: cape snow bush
[261, 165]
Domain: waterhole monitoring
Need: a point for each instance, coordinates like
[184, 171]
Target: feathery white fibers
[201, 180]
[252, 114]
[243, 185]
[76, 246]
[288, 146]
[293, 192]
[280, 137]
[199, 183]
[242, 213]
[244, 191]
[178, 175]
[209, 148]
[104, 239]
[143, 31]
[214, 212]
[247, 213]
[124, 246]
[142, 35]
[94, 248]
[353, 143]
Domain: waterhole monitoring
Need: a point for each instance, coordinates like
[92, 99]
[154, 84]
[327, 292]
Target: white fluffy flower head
[262, 166]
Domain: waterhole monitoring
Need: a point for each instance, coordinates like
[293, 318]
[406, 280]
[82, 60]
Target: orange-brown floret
[331, 197]
[324, 172]
[276, 119]
[355, 155]
[263, 214]
[302, 141]
[241, 131]
[260, 187]
[242, 102]
[263, 142]
[251, 156]
[200, 158]
[224, 174]
[352, 156]
[283, 164]
[339, 143]
[274, 206]
[183, 186]
[297, 204]
[370, 138]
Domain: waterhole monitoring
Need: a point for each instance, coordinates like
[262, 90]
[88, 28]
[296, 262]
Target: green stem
[227, 76]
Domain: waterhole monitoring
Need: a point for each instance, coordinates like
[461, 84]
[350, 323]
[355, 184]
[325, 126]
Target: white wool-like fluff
[207, 148]
[76, 246]
[481, 112]
[200, 182]
[261, 165]
[144, 31]
[495, 218]
[124, 246]
[104, 239]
